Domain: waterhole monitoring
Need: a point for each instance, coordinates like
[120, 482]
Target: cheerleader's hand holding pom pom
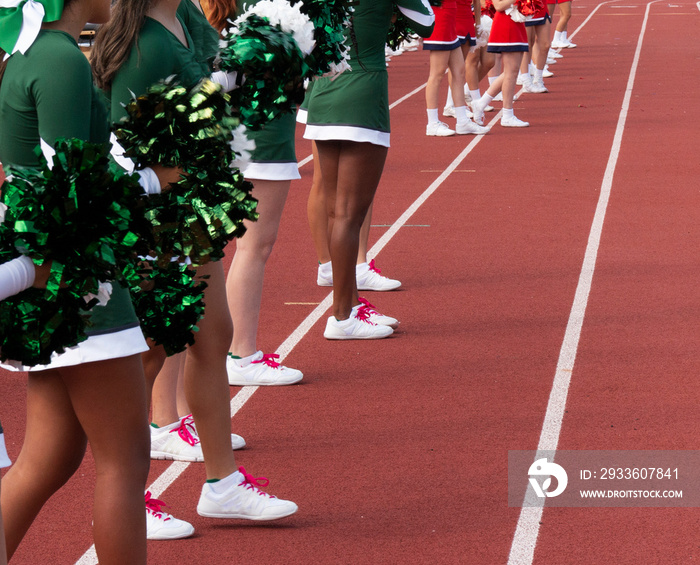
[268, 44]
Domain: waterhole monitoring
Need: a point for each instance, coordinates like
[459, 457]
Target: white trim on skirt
[95, 348]
[271, 171]
[330, 132]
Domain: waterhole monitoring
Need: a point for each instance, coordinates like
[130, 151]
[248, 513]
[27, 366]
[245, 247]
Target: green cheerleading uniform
[4, 459]
[157, 55]
[204, 37]
[47, 94]
[355, 105]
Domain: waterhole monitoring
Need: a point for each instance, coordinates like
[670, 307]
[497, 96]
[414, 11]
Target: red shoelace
[269, 360]
[155, 506]
[186, 430]
[254, 483]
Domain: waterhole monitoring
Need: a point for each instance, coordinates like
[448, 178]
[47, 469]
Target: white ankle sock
[461, 114]
[449, 102]
[508, 112]
[557, 37]
[432, 115]
[475, 94]
[538, 74]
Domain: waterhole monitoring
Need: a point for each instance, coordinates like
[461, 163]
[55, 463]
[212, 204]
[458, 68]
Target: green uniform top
[204, 36]
[48, 93]
[370, 25]
[358, 99]
[157, 55]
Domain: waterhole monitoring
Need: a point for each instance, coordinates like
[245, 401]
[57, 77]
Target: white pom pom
[288, 18]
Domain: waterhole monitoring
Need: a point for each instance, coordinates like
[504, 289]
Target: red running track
[396, 450]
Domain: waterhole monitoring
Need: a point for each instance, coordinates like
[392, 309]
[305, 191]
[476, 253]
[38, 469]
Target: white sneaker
[551, 61]
[470, 127]
[523, 80]
[478, 112]
[357, 326]
[369, 277]
[438, 129]
[175, 442]
[374, 316]
[538, 87]
[239, 496]
[546, 73]
[498, 97]
[448, 111]
[558, 45]
[180, 442]
[513, 123]
[568, 44]
[552, 54]
[489, 108]
[162, 526]
[237, 442]
[262, 370]
[325, 275]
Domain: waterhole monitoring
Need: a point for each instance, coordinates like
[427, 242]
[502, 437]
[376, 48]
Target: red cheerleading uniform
[466, 28]
[506, 35]
[444, 36]
[539, 17]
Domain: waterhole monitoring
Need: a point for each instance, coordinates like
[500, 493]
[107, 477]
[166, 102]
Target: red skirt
[444, 36]
[466, 29]
[507, 35]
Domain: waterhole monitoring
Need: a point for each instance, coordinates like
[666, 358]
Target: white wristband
[149, 181]
[15, 276]
[228, 81]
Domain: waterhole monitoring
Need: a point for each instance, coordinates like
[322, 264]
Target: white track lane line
[171, 474]
[522, 550]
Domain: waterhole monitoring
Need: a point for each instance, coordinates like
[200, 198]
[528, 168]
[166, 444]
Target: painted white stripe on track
[522, 550]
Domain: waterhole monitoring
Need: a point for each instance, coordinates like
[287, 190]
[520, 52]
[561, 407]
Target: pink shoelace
[363, 313]
[155, 507]
[254, 483]
[187, 431]
[373, 267]
[269, 360]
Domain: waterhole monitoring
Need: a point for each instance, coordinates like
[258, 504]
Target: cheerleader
[538, 40]
[367, 274]
[89, 391]
[146, 42]
[444, 45]
[509, 38]
[348, 117]
[561, 40]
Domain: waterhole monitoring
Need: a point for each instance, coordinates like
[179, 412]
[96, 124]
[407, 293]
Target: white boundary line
[522, 550]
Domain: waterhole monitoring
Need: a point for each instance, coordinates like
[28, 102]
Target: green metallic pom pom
[191, 129]
[34, 324]
[83, 216]
[273, 66]
[331, 19]
[169, 302]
